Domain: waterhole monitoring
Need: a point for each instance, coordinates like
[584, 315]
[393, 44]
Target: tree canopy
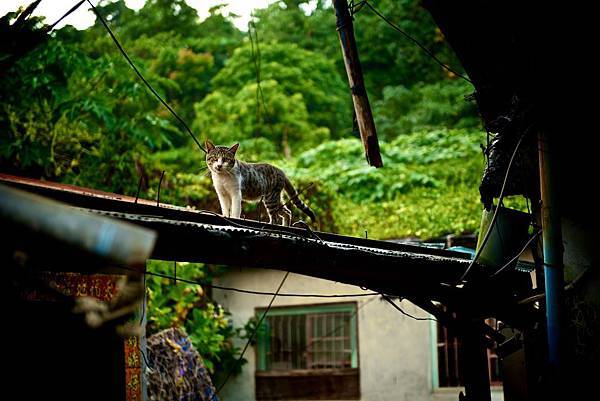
[73, 111]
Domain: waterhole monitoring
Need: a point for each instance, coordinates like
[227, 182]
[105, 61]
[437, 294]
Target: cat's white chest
[229, 183]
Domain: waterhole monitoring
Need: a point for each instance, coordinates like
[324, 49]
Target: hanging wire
[72, 9]
[251, 338]
[143, 314]
[139, 74]
[413, 40]
[158, 190]
[137, 194]
[494, 217]
[391, 302]
[245, 291]
[256, 59]
[500, 270]
[307, 347]
[355, 7]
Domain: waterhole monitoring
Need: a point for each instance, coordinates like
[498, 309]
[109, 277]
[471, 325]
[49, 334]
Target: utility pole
[362, 108]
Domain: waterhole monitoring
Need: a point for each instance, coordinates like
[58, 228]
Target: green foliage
[389, 58]
[424, 107]
[299, 73]
[229, 119]
[188, 306]
[72, 110]
[419, 192]
[34, 141]
[155, 17]
[413, 161]
[289, 22]
[421, 213]
[182, 73]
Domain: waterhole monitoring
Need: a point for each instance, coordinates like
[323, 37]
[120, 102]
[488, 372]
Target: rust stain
[89, 192]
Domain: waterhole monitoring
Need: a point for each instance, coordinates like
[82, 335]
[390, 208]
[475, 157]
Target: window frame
[435, 369]
[263, 344]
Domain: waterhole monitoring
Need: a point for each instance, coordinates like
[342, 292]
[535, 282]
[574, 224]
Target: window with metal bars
[308, 352]
[308, 337]
[449, 357]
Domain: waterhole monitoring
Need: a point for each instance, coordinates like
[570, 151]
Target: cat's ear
[209, 145]
[234, 148]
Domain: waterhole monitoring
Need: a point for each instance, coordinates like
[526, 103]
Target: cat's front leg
[225, 202]
[236, 204]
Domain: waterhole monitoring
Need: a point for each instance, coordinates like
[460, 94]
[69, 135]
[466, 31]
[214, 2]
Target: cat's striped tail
[295, 199]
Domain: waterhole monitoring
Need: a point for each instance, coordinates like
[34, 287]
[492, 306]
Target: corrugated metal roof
[201, 236]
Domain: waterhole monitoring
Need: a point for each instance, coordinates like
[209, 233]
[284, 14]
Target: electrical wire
[255, 48]
[336, 329]
[245, 291]
[494, 217]
[235, 366]
[415, 41]
[139, 74]
[298, 193]
[534, 236]
[391, 302]
[72, 9]
[143, 314]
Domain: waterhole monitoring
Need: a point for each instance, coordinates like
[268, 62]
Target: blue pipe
[553, 254]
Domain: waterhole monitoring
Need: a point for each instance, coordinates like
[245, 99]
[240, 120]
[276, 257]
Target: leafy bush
[38, 141]
[189, 306]
[423, 107]
[419, 192]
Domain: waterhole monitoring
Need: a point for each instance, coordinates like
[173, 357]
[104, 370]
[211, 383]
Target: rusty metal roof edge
[113, 202]
[56, 186]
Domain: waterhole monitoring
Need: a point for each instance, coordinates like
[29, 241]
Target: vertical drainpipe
[553, 254]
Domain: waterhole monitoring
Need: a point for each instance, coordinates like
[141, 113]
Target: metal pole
[553, 253]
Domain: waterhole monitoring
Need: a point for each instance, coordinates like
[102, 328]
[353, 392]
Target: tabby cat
[235, 180]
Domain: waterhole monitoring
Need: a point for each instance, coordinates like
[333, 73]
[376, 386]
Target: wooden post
[364, 116]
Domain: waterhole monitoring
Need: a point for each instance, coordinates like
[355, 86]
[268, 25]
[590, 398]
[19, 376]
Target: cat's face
[220, 159]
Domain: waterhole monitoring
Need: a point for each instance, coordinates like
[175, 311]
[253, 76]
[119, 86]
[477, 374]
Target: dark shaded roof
[532, 69]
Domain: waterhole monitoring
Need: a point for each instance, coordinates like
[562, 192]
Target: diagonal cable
[139, 74]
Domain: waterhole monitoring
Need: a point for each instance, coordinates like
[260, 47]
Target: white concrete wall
[394, 351]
